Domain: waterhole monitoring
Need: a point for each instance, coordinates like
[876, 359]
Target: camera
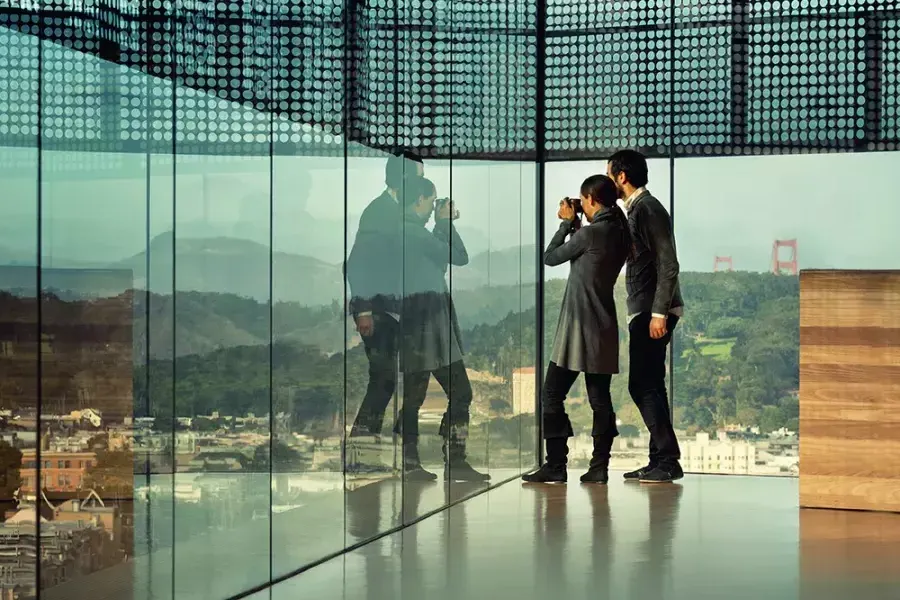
[575, 203]
[439, 205]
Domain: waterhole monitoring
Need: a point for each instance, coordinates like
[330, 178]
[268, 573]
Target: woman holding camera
[430, 335]
[587, 334]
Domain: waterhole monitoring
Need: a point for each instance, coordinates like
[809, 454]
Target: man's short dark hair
[401, 165]
[632, 163]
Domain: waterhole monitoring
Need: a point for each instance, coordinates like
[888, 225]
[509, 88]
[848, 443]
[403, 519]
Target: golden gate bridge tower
[782, 267]
[723, 263]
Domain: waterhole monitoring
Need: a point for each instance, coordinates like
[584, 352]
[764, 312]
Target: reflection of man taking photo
[375, 276]
[431, 342]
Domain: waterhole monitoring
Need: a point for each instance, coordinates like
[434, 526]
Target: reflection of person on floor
[430, 336]
[648, 575]
[551, 537]
[587, 334]
[375, 275]
[366, 521]
[599, 583]
[654, 307]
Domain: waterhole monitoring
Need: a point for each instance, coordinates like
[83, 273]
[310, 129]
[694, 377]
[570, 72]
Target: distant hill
[496, 268]
[206, 322]
[239, 267]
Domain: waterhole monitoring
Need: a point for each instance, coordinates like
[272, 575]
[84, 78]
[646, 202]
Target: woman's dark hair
[632, 163]
[602, 189]
[416, 188]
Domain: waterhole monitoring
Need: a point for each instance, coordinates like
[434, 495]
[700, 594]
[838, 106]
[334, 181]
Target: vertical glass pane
[487, 292]
[373, 273]
[308, 354]
[156, 440]
[19, 329]
[524, 397]
[430, 347]
[222, 346]
[737, 356]
[93, 231]
[309, 318]
[631, 448]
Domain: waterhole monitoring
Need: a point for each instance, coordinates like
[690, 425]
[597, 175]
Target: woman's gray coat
[587, 334]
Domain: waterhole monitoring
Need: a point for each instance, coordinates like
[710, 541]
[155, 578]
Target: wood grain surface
[850, 390]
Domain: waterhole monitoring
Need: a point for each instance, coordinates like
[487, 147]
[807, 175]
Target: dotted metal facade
[489, 79]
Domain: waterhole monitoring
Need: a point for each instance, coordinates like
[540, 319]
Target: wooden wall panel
[850, 390]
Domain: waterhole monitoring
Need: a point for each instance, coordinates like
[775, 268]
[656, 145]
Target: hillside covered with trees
[736, 354]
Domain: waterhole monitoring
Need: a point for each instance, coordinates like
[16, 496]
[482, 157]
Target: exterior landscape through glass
[185, 187]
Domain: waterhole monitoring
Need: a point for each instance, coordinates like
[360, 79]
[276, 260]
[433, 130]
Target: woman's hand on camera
[566, 210]
[448, 211]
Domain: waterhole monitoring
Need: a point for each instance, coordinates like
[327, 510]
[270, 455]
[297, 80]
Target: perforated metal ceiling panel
[452, 78]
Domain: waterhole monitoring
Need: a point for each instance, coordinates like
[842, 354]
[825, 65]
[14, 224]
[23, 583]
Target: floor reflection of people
[651, 569]
[551, 538]
[366, 520]
[375, 273]
[456, 540]
[430, 334]
[599, 581]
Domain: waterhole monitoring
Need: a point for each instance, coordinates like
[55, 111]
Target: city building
[524, 392]
[60, 471]
[725, 456]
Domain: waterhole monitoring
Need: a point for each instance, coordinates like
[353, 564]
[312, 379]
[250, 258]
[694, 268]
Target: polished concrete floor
[707, 537]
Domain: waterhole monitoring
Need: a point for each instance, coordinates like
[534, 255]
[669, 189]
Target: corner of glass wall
[19, 309]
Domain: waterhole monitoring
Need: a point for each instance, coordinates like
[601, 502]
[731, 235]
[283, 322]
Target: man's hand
[566, 211]
[658, 327]
[365, 325]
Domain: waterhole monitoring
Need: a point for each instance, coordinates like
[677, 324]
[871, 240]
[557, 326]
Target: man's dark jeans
[647, 386]
[382, 348]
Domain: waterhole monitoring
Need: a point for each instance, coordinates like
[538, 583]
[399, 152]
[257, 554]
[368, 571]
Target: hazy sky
[842, 208]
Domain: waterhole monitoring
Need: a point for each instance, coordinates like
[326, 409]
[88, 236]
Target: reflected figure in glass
[431, 340]
[375, 277]
[587, 333]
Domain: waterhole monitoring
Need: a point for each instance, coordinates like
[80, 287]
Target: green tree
[112, 475]
[10, 468]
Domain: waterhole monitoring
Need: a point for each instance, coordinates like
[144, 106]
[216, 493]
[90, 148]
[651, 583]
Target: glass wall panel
[494, 199]
[93, 231]
[373, 452]
[223, 366]
[631, 448]
[308, 336]
[524, 393]
[19, 326]
[192, 401]
[737, 353]
[430, 348]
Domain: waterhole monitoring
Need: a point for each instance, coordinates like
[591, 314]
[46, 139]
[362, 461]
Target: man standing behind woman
[654, 307]
[587, 333]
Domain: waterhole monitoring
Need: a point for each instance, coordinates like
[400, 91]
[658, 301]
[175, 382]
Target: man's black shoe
[547, 474]
[417, 473]
[636, 475]
[463, 471]
[596, 475]
[662, 474]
